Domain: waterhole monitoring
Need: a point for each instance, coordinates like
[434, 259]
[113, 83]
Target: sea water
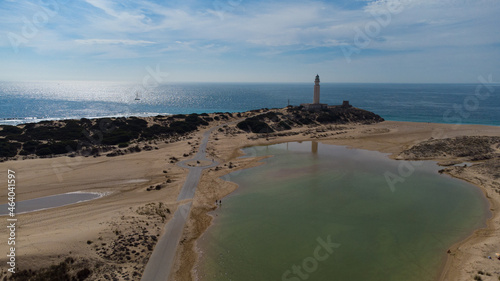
[308, 194]
[22, 102]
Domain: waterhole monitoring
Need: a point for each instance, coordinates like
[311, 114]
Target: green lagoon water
[308, 192]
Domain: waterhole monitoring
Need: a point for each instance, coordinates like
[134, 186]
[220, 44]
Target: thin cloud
[265, 32]
[113, 42]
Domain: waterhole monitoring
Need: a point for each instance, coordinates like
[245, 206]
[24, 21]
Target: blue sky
[400, 41]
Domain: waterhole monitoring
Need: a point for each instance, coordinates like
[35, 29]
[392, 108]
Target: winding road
[161, 261]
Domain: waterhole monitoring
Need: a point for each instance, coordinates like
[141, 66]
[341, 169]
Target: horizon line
[227, 82]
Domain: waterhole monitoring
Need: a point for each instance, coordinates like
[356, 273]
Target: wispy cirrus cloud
[113, 42]
[227, 34]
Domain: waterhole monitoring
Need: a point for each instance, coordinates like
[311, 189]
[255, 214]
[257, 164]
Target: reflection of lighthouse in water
[314, 147]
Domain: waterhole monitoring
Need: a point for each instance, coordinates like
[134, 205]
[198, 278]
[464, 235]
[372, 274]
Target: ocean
[23, 102]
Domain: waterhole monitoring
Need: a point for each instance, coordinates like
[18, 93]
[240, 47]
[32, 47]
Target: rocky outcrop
[467, 148]
[273, 120]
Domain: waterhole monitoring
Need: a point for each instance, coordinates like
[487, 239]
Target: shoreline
[447, 266]
[156, 114]
[98, 194]
[478, 236]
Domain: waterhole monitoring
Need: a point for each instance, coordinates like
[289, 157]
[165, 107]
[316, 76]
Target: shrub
[305, 120]
[44, 151]
[136, 124]
[63, 147]
[18, 137]
[83, 274]
[102, 124]
[123, 144]
[270, 115]
[118, 122]
[71, 131]
[30, 146]
[181, 127]
[10, 130]
[29, 126]
[327, 117]
[86, 121]
[8, 149]
[40, 133]
[194, 119]
[118, 136]
[254, 126]
[156, 130]
[54, 272]
[284, 126]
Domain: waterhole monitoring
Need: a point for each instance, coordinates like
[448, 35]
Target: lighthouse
[316, 90]
[315, 105]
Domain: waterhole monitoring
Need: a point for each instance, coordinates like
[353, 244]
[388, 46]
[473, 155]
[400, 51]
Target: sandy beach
[117, 233]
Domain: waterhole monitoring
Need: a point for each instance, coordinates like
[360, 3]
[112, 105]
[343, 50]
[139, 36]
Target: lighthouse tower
[316, 90]
[315, 105]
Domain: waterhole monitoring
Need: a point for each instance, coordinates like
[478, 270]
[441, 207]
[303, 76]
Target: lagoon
[310, 193]
[48, 202]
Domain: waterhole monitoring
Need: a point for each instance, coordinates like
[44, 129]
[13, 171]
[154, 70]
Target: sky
[154, 41]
